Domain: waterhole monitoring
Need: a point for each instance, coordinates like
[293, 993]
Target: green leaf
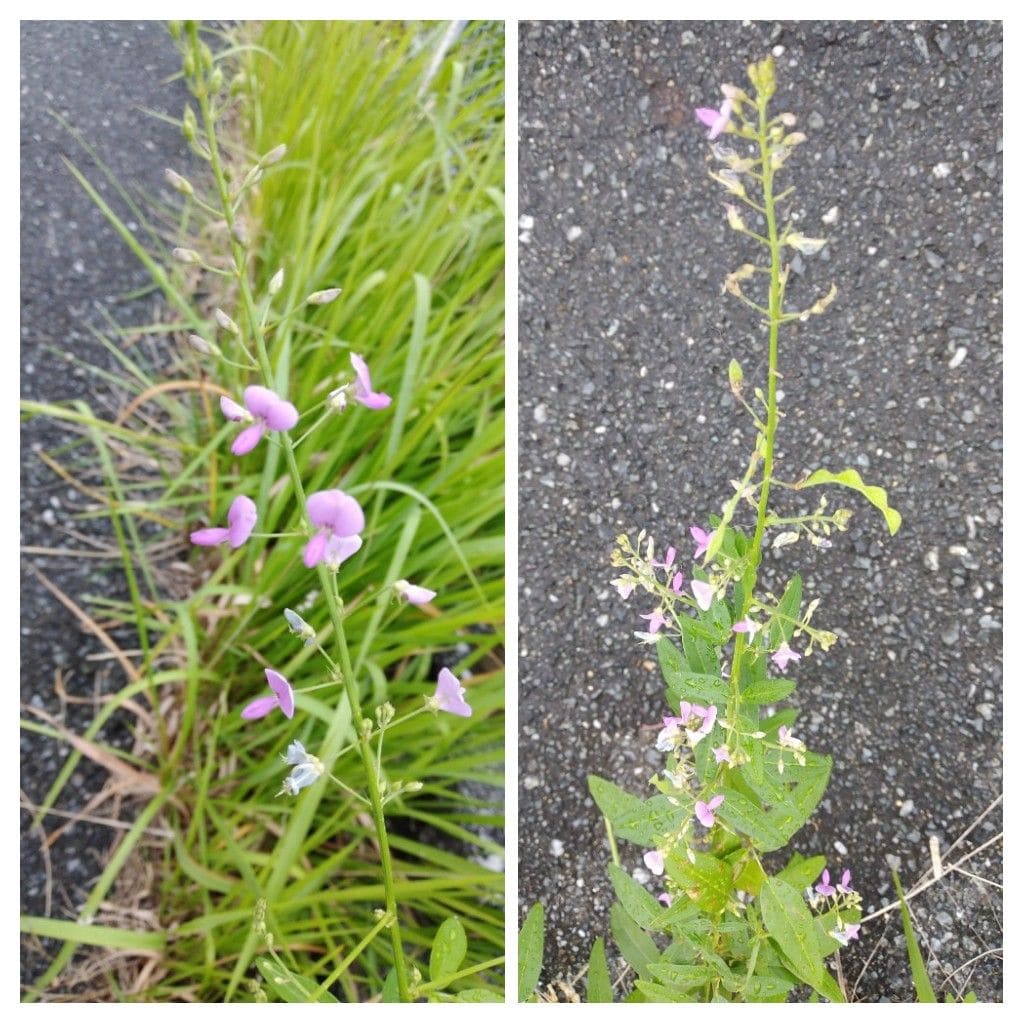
[767, 691]
[922, 983]
[389, 991]
[641, 906]
[681, 977]
[634, 943]
[638, 821]
[747, 818]
[448, 950]
[291, 988]
[851, 478]
[683, 683]
[791, 927]
[656, 993]
[479, 995]
[709, 879]
[784, 618]
[767, 987]
[801, 872]
[599, 982]
[531, 951]
[751, 876]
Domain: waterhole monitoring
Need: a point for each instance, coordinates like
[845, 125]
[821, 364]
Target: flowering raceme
[263, 410]
[339, 520]
[241, 523]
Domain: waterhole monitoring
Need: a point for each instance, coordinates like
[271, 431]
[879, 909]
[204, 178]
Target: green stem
[328, 580]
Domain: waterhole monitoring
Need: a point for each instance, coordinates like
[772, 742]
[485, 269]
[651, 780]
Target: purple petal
[449, 695]
[721, 753]
[704, 815]
[716, 801]
[282, 415]
[703, 592]
[677, 583]
[845, 883]
[209, 537]
[259, 708]
[706, 115]
[663, 897]
[364, 389]
[313, 552]
[247, 439]
[655, 861]
[340, 548]
[337, 511]
[259, 400]
[414, 594]
[241, 520]
[283, 689]
[702, 538]
[232, 410]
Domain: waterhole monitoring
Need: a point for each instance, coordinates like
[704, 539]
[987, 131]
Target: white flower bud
[178, 183]
[275, 282]
[186, 255]
[226, 323]
[201, 345]
[276, 154]
[321, 298]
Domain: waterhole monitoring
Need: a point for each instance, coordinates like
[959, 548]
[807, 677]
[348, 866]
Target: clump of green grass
[391, 190]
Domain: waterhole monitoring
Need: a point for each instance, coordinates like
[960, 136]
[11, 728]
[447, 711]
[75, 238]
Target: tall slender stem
[328, 580]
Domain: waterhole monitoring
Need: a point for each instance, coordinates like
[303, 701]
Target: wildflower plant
[738, 781]
[311, 754]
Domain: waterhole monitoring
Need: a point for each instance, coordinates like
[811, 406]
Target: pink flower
[655, 620]
[283, 698]
[721, 753]
[655, 861]
[625, 586]
[703, 592]
[716, 120]
[663, 897]
[264, 410]
[704, 811]
[364, 392]
[824, 888]
[746, 626]
[844, 934]
[677, 583]
[414, 594]
[450, 696]
[783, 656]
[702, 537]
[339, 519]
[670, 557]
[844, 885]
[241, 522]
[697, 720]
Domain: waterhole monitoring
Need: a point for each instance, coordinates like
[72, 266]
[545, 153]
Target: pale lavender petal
[282, 415]
[209, 537]
[296, 753]
[259, 708]
[716, 801]
[413, 593]
[745, 626]
[247, 439]
[677, 583]
[703, 592]
[340, 548]
[655, 861]
[259, 400]
[364, 389]
[852, 931]
[655, 619]
[704, 815]
[449, 695]
[709, 719]
[337, 511]
[283, 689]
[232, 410]
[663, 897]
[706, 115]
[823, 887]
[241, 520]
[721, 753]
[313, 553]
[702, 537]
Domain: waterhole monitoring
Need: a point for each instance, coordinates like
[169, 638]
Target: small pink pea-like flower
[677, 583]
[339, 521]
[450, 695]
[670, 557]
[703, 538]
[697, 720]
[844, 885]
[747, 626]
[241, 522]
[844, 934]
[716, 120]
[703, 592]
[664, 897]
[283, 698]
[364, 392]
[655, 861]
[824, 887]
[414, 594]
[625, 586]
[721, 753]
[655, 620]
[705, 811]
[264, 410]
[784, 655]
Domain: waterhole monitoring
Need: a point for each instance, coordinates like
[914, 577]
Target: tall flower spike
[241, 523]
[283, 698]
[450, 695]
[264, 411]
[339, 520]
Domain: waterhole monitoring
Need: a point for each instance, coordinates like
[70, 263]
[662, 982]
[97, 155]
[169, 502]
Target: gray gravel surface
[626, 422]
[97, 76]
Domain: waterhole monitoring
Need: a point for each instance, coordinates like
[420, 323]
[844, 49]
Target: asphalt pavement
[626, 421]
